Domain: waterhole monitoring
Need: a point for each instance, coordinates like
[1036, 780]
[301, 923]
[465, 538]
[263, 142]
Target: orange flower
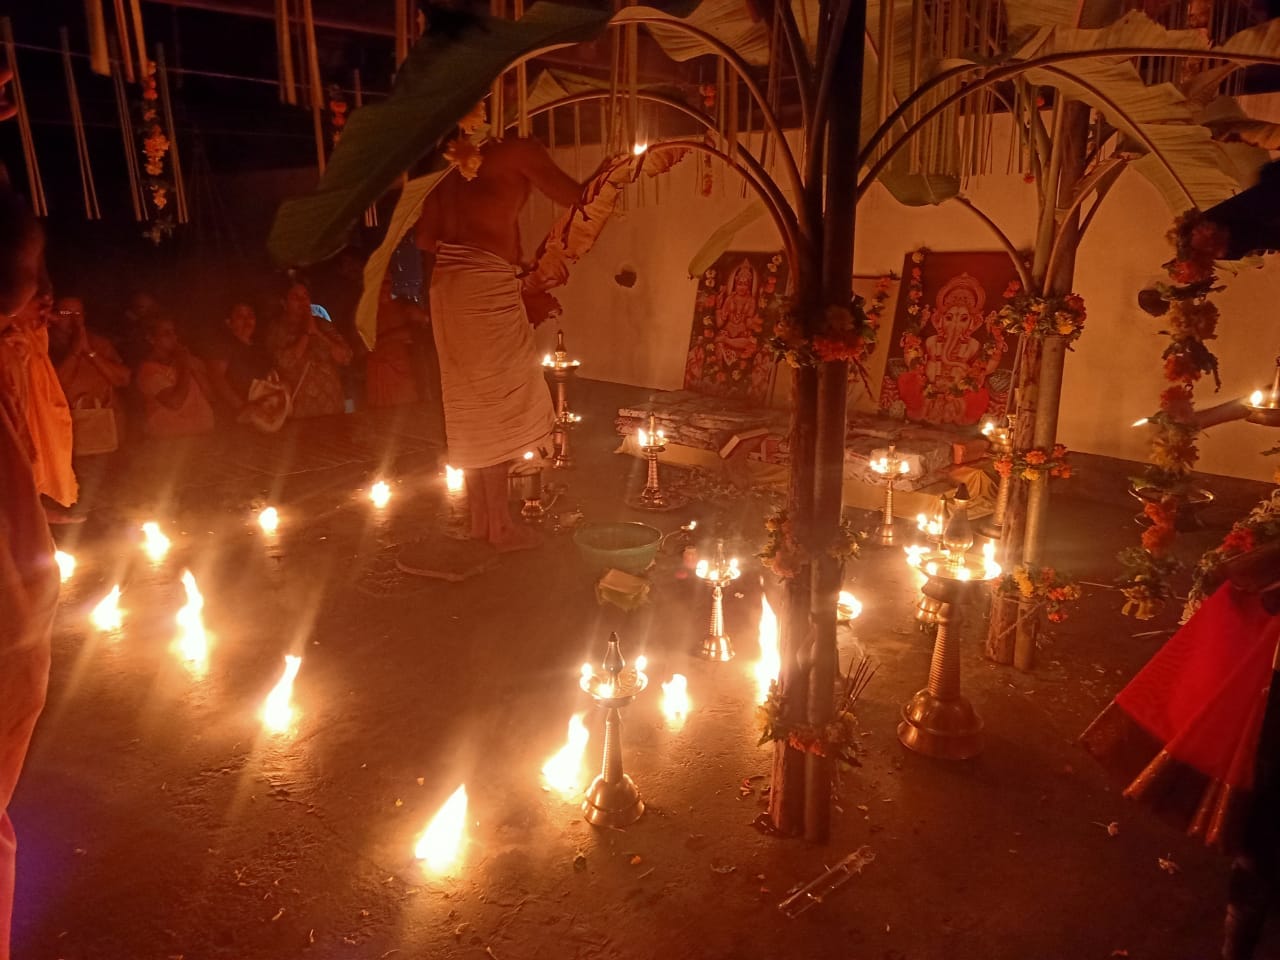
[1036, 457]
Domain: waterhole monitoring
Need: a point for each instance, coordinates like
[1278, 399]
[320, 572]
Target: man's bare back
[485, 212]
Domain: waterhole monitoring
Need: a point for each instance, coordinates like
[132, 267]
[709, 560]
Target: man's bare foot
[517, 538]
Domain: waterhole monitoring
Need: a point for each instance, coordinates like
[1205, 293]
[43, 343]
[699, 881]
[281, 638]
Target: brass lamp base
[615, 804]
[717, 648]
[946, 729]
[884, 534]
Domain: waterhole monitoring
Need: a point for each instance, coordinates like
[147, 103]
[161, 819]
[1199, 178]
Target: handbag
[269, 405]
[93, 428]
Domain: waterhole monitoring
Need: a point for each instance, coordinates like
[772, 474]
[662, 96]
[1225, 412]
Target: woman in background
[309, 354]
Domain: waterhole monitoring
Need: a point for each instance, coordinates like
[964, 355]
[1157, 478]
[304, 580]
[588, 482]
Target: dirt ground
[157, 820]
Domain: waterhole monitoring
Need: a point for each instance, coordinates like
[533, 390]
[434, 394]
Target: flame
[563, 772]
[528, 454]
[963, 573]
[848, 607]
[675, 701]
[931, 568]
[546, 360]
[988, 428]
[1141, 422]
[880, 466]
[643, 437]
[269, 519]
[693, 525]
[733, 568]
[769, 666]
[991, 569]
[922, 522]
[107, 615]
[639, 149]
[586, 671]
[66, 565]
[915, 554]
[453, 478]
[380, 493]
[1255, 398]
[155, 543]
[193, 642]
[904, 467]
[640, 663]
[277, 712]
[441, 843]
[701, 569]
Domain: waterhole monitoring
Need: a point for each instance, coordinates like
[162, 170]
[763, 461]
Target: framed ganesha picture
[950, 362]
[739, 300]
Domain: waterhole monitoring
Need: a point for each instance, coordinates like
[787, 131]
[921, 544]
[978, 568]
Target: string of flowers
[338, 108]
[911, 342]
[706, 160]
[1026, 313]
[1051, 591]
[1260, 527]
[785, 555]
[1027, 463]
[1192, 320]
[839, 738]
[846, 333]
[155, 147]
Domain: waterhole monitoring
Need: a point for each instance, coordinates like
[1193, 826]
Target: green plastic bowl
[630, 547]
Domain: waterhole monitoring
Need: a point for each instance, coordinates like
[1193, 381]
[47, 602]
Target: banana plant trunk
[800, 799]
[1012, 634]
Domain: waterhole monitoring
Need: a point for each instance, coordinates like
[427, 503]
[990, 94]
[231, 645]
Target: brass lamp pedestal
[560, 367]
[716, 645]
[890, 466]
[1001, 439]
[939, 721]
[613, 799]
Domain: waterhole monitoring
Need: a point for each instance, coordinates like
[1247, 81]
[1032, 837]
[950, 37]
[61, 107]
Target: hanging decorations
[784, 554]
[1026, 313]
[846, 333]
[155, 147]
[463, 151]
[1045, 586]
[338, 107]
[1261, 527]
[1192, 320]
[706, 162]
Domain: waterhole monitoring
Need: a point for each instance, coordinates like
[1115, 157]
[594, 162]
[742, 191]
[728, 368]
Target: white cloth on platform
[496, 403]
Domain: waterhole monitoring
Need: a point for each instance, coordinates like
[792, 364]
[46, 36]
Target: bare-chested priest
[497, 406]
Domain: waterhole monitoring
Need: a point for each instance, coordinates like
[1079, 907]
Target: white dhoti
[496, 404]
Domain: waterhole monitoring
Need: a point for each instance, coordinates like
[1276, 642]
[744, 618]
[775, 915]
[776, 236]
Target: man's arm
[537, 165]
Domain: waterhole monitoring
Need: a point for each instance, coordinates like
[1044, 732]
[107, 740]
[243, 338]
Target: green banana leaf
[446, 74]
[722, 238]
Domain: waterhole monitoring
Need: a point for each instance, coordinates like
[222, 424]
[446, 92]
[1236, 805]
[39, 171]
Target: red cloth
[1204, 693]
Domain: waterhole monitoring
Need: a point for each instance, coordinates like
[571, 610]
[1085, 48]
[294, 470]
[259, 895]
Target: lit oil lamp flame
[563, 772]
[277, 712]
[701, 569]
[440, 846]
[988, 428]
[380, 494]
[107, 615]
[640, 663]
[1255, 398]
[269, 519]
[586, 671]
[453, 478]
[154, 542]
[66, 565]
[675, 700]
[991, 569]
[528, 455]
[769, 666]
[931, 568]
[1141, 422]
[915, 555]
[642, 437]
[193, 641]
[963, 573]
[639, 149]
[848, 607]
[904, 467]
[546, 360]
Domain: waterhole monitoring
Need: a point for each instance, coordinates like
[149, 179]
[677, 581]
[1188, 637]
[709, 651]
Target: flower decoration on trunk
[1050, 590]
[1026, 464]
[155, 148]
[1026, 313]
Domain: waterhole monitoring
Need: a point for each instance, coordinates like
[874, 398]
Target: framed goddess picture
[949, 362]
[738, 302]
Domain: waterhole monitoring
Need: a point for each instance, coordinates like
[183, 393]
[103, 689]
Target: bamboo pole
[371, 211]
[523, 127]
[402, 31]
[35, 182]
[124, 48]
[313, 81]
[139, 37]
[497, 8]
[284, 55]
[90, 190]
[127, 137]
[96, 24]
[175, 155]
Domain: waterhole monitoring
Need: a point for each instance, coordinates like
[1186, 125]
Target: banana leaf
[722, 238]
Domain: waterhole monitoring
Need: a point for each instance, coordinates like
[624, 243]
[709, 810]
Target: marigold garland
[338, 108]
[1026, 313]
[838, 738]
[1260, 527]
[1192, 319]
[155, 147]
[848, 332]
[1028, 463]
[785, 555]
[1043, 585]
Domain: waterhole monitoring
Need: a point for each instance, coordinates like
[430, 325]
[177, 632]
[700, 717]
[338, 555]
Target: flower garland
[1192, 320]
[911, 342]
[785, 555]
[463, 151]
[848, 333]
[1261, 526]
[836, 739]
[155, 147]
[1025, 313]
[1036, 460]
[1045, 586]
[707, 161]
[338, 108]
